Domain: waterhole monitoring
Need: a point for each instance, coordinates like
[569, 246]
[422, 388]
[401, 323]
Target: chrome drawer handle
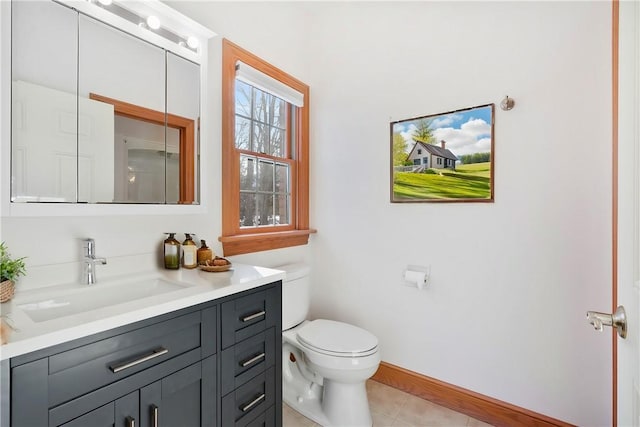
[252, 360]
[253, 316]
[154, 353]
[154, 415]
[253, 403]
[131, 422]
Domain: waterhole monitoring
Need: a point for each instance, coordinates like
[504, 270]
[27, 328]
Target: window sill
[248, 243]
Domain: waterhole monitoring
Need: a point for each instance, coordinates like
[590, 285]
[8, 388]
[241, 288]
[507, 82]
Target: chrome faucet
[90, 260]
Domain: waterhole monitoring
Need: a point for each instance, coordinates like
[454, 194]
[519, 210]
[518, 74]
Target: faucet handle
[89, 246]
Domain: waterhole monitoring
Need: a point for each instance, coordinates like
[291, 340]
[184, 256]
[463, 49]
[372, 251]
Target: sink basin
[96, 296]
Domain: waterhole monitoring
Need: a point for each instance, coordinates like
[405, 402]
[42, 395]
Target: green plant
[10, 269]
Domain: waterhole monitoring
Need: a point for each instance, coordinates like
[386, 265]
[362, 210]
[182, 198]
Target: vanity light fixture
[193, 42]
[153, 22]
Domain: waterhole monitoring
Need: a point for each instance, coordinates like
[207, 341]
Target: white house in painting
[432, 156]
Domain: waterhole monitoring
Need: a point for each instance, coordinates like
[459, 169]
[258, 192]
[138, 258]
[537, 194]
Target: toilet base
[309, 404]
[326, 405]
[346, 404]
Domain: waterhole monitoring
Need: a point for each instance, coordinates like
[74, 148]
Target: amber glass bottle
[204, 253]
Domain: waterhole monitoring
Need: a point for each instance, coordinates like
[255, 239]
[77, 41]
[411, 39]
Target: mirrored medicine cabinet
[99, 115]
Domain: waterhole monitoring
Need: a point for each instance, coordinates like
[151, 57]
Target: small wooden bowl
[214, 268]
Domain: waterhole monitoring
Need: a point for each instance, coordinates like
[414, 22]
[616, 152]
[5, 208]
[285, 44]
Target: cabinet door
[121, 413]
[101, 417]
[127, 412]
[185, 398]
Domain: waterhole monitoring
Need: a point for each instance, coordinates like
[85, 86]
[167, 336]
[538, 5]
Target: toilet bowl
[325, 363]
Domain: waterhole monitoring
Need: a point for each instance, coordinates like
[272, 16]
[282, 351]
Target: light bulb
[153, 22]
[193, 42]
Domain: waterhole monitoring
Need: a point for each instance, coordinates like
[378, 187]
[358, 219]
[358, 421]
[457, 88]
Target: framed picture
[447, 157]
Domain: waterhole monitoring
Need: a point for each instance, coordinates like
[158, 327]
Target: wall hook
[507, 103]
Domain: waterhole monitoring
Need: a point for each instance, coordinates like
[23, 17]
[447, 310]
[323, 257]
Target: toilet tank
[296, 294]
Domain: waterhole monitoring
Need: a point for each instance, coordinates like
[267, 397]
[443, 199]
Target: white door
[44, 144]
[628, 236]
[58, 155]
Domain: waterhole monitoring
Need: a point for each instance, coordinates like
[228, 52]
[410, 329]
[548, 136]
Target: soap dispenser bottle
[189, 252]
[204, 253]
[171, 252]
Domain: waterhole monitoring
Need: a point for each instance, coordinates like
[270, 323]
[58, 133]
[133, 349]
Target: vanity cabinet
[251, 356]
[177, 369]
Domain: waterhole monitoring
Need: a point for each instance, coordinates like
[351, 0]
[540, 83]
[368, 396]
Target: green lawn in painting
[470, 181]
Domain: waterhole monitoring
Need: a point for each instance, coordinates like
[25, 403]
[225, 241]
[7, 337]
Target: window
[425, 160]
[419, 151]
[265, 155]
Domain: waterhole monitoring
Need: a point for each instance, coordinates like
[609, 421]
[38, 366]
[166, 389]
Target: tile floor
[394, 408]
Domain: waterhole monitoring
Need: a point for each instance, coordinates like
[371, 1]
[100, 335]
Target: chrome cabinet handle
[154, 416]
[253, 316]
[154, 353]
[252, 360]
[131, 422]
[253, 403]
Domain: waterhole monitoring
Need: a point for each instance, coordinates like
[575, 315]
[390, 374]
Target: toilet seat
[337, 339]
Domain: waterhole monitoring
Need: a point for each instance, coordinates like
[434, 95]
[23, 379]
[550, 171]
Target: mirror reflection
[44, 102]
[99, 116]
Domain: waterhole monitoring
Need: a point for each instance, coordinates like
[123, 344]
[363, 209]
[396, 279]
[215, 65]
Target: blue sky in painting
[465, 132]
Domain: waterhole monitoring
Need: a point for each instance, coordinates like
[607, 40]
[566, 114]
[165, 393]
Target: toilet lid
[337, 338]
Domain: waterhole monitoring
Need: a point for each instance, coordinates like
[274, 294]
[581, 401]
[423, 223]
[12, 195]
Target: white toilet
[325, 363]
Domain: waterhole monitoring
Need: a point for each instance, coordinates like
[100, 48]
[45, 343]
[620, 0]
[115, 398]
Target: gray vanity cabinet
[171, 370]
[251, 360]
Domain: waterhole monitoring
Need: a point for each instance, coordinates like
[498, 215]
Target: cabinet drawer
[247, 358]
[83, 369]
[249, 401]
[247, 315]
[266, 419]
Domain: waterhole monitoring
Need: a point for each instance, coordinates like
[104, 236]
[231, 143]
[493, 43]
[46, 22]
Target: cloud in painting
[447, 120]
[474, 136]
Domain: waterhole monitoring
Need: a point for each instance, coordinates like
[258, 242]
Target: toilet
[325, 364]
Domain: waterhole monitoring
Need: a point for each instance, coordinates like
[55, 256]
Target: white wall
[511, 281]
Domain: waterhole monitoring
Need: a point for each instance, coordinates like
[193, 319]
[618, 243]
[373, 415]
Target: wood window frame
[186, 128]
[236, 240]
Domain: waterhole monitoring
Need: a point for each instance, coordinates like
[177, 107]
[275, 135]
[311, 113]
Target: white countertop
[196, 287]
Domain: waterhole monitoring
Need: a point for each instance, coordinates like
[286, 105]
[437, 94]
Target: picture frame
[444, 157]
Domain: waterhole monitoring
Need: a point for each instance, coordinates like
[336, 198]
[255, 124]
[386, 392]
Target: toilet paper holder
[416, 276]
